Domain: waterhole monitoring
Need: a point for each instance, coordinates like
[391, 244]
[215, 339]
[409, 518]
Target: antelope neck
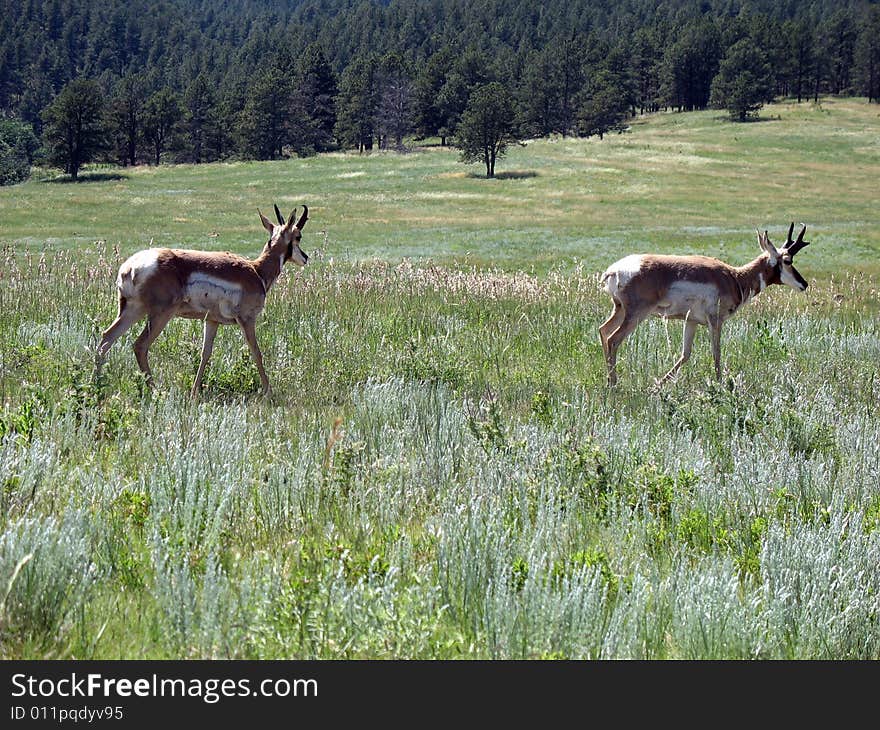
[753, 278]
[268, 268]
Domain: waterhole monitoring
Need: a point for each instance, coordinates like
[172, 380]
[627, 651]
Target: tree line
[147, 81]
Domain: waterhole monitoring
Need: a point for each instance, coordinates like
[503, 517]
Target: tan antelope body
[698, 289]
[216, 287]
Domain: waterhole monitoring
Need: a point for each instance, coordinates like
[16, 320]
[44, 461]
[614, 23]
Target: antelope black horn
[788, 241]
[799, 243]
[281, 217]
[305, 216]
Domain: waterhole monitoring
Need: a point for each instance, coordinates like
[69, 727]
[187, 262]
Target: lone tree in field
[486, 126]
[75, 130]
[744, 81]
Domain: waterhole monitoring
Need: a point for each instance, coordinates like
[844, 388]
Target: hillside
[675, 182]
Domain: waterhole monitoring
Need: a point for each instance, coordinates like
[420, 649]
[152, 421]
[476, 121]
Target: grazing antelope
[697, 289]
[219, 288]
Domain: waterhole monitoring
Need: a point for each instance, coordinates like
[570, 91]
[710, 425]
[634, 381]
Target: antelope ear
[267, 224]
[764, 242]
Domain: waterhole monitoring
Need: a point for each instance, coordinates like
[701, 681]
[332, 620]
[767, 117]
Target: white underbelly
[691, 301]
[682, 311]
[212, 296]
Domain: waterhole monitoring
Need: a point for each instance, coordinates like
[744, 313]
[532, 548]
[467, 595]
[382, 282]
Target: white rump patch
[620, 272]
[211, 294]
[135, 269]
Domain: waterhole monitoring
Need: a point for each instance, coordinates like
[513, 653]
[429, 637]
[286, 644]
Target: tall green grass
[440, 471]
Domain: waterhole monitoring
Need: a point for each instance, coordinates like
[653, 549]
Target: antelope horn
[305, 216]
[800, 243]
[788, 240]
[281, 217]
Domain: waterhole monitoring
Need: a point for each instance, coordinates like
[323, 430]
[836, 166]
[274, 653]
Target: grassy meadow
[440, 471]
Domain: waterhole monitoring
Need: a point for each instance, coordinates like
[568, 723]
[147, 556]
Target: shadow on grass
[87, 177]
[509, 175]
[749, 119]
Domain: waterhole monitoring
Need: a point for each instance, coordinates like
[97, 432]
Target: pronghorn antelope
[219, 288]
[697, 289]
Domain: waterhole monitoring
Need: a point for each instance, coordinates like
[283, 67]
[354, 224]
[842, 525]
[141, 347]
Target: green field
[440, 471]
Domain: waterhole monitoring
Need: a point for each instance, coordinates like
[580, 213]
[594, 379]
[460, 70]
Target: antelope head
[284, 238]
[781, 261]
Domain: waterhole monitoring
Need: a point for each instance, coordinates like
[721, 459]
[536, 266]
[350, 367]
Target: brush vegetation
[440, 471]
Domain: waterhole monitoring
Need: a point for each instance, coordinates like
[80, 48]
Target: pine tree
[540, 94]
[162, 116]
[316, 98]
[572, 53]
[394, 115]
[801, 56]
[605, 107]
[486, 127]
[75, 129]
[226, 119]
[18, 145]
[689, 65]
[744, 81]
[618, 65]
[839, 41]
[198, 120]
[428, 116]
[126, 117]
[356, 104]
[867, 57]
[645, 61]
[265, 121]
[470, 71]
